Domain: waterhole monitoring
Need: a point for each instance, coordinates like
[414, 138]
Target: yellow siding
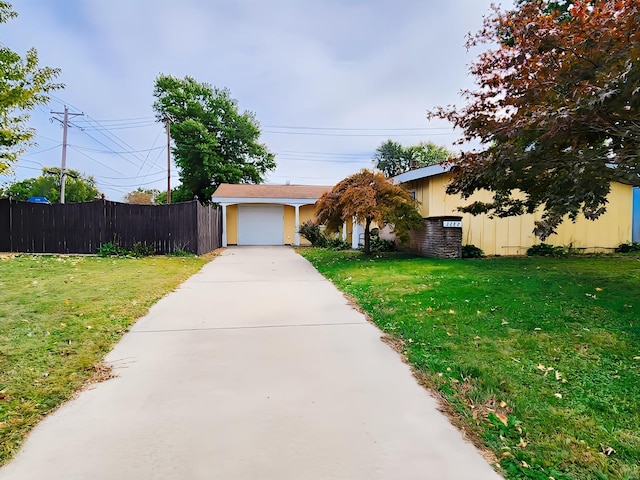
[307, 212]
[289, 225]
[610, 230]
[232, 225]
[513, 235]
[419, 189]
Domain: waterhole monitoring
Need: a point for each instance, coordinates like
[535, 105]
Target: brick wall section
[435, 240]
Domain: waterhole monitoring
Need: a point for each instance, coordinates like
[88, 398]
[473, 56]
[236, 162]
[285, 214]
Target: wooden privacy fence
[85, 227]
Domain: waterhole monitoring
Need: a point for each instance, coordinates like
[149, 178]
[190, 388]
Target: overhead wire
[105, 127]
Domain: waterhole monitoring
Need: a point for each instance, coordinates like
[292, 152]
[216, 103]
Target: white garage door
[260, 225]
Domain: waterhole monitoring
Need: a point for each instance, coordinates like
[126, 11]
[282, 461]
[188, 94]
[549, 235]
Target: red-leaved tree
[369, 197]
[556, 110]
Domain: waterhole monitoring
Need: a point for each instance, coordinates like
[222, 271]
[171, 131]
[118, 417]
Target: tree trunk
[367, 238]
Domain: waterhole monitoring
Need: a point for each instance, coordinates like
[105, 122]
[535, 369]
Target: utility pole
[65, 127]
[168, 124]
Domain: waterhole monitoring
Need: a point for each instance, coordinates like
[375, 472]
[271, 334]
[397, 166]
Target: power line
[110, 137]
[113, 151]
[318, 134]
[149, 151]
[41, 151]
[96, 161]
[343, 129]
[131, 178]
[131, 185]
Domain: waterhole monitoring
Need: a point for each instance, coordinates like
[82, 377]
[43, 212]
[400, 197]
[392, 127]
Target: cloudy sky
[328, 81]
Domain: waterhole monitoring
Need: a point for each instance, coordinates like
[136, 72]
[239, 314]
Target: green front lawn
[538, 357]
[58, 317]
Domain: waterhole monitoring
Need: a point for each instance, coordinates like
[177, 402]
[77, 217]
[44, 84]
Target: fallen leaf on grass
[522, 443]
[506, 454]
[503, 404]
[524, 464]
[449, 334]
[541, 367]
[504, 322]
[608, 451]
[558, 395]
[598, 289]
[502, 417]
[451, 312]
[558, 375]
[636, 358]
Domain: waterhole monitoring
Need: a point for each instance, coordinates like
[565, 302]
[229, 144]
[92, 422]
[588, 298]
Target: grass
[58, 317]
[539, 358]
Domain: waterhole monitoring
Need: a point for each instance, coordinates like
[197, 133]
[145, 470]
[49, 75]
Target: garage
[260, 224]
[256, 214]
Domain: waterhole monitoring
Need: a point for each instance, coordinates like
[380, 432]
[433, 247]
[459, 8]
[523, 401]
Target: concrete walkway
[255, 368]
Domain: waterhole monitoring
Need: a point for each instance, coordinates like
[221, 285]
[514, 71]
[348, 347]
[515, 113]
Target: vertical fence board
[5, 225]
[85, 227]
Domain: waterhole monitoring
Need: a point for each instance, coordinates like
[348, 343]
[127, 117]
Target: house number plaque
[452, 224]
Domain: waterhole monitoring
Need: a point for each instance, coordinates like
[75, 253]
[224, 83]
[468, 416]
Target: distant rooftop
[227, 190]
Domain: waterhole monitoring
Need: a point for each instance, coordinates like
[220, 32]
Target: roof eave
[424, 172]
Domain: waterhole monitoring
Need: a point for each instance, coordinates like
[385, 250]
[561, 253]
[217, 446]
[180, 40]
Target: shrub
[110, 249]
[337, 243]
[142, 250]
[546, 250]
[181, 253]
[632, 247]
[471, 251]
[311, 231]
[379, 245]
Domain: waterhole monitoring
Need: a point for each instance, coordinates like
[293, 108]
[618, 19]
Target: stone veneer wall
[436, 240]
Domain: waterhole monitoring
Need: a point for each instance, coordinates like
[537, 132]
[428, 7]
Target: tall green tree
[425, 154]
[144, 196]
[213, 142]
[178, 194]
[23, 86]
[369, 197]
[556, 110]
[392, 158]
[78, 187]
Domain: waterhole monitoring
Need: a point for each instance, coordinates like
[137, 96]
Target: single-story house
[514, 235]
[267, 214]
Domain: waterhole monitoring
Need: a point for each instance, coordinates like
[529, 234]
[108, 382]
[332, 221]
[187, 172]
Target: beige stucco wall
[513, 235]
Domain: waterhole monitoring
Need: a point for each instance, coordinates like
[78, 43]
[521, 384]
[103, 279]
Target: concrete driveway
[255, 368]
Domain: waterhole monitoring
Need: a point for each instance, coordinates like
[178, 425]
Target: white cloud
[350, 64]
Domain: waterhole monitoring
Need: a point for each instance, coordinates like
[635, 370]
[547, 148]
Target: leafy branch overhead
[213, 142]
[23, 86]
[555, 109]
[369, 198]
